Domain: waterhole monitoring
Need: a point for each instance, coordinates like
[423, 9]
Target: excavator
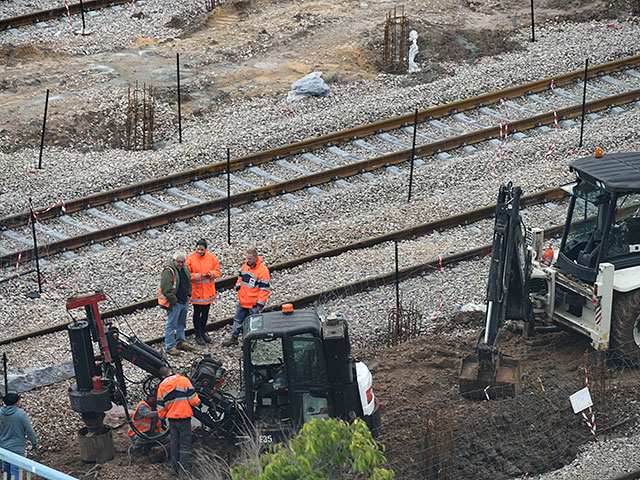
[590, 285]
[297, 366]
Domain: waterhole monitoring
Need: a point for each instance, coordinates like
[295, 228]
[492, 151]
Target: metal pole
[4, 367]
[179, 105]
[228, 196]
[413, 152]
[533, 28]
[82, 13]
[397, 282]
[44, 123]
[35, 251]
[584, 100]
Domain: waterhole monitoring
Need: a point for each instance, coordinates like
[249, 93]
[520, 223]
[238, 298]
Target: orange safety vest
[203, 289]
[176, 396]
[162, 300]
[254, 285]
[144, 424]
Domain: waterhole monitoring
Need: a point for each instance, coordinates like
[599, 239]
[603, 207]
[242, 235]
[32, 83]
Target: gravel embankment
[466, 182]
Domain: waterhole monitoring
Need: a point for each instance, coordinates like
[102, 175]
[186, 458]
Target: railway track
[202, 192]
[52, 13]
[384, 279]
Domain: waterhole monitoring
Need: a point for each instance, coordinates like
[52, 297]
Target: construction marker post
[4, 370]
[533, 25]
[84, 30]
[32, 218]
[179, 104]
[44, 124]
[228, 196]
[413, 152]
[397, 282]
[584, 100]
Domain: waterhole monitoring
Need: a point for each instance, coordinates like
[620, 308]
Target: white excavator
[591, 284]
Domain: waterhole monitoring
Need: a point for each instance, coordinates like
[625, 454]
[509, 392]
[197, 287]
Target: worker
[253, 289]
[204, 268]
[173, 295]
[147, 425]
[14, 426]
[175, 398]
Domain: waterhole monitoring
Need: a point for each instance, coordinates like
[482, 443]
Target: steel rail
[43, 15]
[419, 230]
[315, 179]
[239, 163]
[633, 475]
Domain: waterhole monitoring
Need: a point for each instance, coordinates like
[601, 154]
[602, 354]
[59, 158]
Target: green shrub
[322, 450]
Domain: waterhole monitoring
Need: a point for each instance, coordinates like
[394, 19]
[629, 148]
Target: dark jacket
[14, 426]
[166, 282]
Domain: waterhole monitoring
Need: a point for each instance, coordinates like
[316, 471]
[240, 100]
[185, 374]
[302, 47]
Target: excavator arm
[489, 373]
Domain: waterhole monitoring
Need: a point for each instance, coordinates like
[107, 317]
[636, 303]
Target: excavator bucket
[482, 379]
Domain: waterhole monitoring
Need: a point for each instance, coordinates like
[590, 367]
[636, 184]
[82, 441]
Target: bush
[322, 450]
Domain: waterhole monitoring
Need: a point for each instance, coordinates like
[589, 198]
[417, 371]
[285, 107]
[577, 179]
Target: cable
[121, 315]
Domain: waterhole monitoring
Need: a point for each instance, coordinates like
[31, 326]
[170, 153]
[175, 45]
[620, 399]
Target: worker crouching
[145, 427]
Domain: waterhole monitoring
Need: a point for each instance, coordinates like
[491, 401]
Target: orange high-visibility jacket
[176, 396]
[143, 424]
[204, 289]
[253, 285]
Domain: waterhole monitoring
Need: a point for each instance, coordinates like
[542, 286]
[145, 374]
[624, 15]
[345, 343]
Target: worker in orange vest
[175, 398]
[253, 287]
[145, 427]
[204, 268]
[173, 295]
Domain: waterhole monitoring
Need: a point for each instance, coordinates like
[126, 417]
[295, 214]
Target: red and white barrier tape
[590, 418]
[68, 15]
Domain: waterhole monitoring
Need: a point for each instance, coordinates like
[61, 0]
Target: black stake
[179, 105]
[44, 123]
[584, 100]
[413, 152]
[228, 196]
[4, 367]
[82, 13]
[397, 283]
[32, 217]
[533, 28]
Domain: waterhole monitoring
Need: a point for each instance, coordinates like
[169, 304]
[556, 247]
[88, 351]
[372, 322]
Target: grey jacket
[14, 426]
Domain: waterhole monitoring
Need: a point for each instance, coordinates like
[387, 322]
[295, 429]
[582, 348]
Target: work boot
[206, 337]
[184, 346]
[200, 338]
[230, 341]
[174, 351]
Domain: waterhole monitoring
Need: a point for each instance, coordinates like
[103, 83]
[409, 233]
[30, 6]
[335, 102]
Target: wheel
[625, 327]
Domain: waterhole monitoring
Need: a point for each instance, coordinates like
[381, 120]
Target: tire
[625, 327]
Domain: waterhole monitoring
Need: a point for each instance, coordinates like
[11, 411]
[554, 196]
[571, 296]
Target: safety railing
[28, 467]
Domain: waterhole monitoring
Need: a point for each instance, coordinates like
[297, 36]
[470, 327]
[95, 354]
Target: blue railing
[29, 466]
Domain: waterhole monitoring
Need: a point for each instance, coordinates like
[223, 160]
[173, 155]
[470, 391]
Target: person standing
[253, 289]
[176, 397]
[14, 426]
[146, 422]
[173, 295]
[204, 268]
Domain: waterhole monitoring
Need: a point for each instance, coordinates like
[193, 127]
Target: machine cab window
[587, 224]
[624, 238]
[309, 377]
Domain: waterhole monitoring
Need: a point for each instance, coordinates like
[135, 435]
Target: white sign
[581, 400]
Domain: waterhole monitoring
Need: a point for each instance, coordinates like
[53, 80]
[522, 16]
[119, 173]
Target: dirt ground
[280, 42]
